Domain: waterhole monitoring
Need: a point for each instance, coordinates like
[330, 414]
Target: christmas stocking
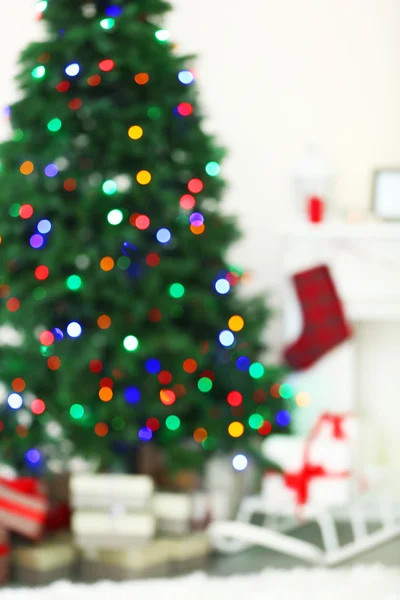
[324, 324]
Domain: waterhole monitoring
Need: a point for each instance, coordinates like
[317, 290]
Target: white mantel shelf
[339, 230]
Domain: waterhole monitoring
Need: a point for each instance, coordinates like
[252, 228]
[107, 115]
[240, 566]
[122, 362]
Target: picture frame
[386, 194]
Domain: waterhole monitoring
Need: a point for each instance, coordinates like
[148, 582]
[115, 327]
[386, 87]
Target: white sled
[234, 536]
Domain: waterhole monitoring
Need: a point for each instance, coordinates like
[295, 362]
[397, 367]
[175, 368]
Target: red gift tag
[315, 209]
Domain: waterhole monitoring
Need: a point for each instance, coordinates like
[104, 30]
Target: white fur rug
[361, 582]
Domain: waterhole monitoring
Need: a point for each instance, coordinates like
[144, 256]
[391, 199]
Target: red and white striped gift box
[23, 506]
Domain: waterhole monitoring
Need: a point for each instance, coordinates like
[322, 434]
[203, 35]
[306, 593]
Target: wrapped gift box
[4, 555]
[173, 512]
[42, 563]
[134, 492]
[112, 529]
[23, 506]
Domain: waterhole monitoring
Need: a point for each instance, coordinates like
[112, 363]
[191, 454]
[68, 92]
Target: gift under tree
[113, 256]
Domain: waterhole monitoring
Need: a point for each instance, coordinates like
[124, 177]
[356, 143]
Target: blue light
[72, 70]
[226, 338]
[163, 236]
[51, 170]
[196, 218]
[74, 330]
[239, 462]
[243, 363]
[153, 366]
[33, 456]
[283, 418]
[145, 434]
[132, 395]
[113, 11]
[58, 334]
[36, 241]
[186, 77]
[222, 286]
[44, 226]
[15, 401]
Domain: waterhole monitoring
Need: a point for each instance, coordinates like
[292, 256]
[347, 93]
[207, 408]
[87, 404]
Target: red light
[94, 80]
[106, 65]
[275, 390]
[26, 211]
[107, 382]
[234, 398]
[46, 338]
[13, 304]
[209, 374]
[154, 315]
[63, 86]
[95, 366]
[152, 259]
[167, 397]
[185, 109]
[153, 424]
[232, 278]
[38, 407]
[265, 428]
[259, 396]
[187, 201]
[42, 272]
[165, 377]
[75, 104]
[195, 186]
[142, 222]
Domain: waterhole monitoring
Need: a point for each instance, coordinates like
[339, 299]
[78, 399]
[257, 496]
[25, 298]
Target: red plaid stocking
[324, 322]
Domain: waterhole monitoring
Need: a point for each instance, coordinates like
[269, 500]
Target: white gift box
[134, 492]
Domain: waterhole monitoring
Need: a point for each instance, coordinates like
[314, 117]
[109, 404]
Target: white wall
[275, 75]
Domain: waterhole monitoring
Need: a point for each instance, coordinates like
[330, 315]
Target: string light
[135, 132]
[33, 456]
[26, 211]
[184, 109]
[75, 104]
[107, 263]
[236, 429]
[46, 338]
[38, 406]
[265, 428]
[42, 272]
[18, 384]
[115, 216]
[163, 236]
[255, 421]
[107, 23]
[109, 187]
[303, 399]
[239, 462]
[222, 286]
[63, 86]
[165, 377]
[195, 186]
[167, 397]
[173, 422]
[113, 11]
[199, 435]
[38, 72]
[54, 125]
[94, 80]
[101, 429]
[162, 35]
[286, 391]
[153, 366]
[143, 177]
[132, 395]
[145, 434]
[27, 167]
[226, 338]
[41, 6]
[153, 424]
[256, 370]
[196, 219]
[189, 365]
[142, 222]
[104, 322]
[77, 411]
[234, 398]
[142, 78]
[51, 170]
[186, 77]
[96, 366]
[152, 259]
[105, 394]
[54, 363]
[131, 343]
[74, 283]
[70, 184]
[72, 70]
[283, 418]
[213, 169]
[44, 226]
[74, 330]
[15, 401]
[187, 202]
[106, 65]
[176, 290]
[13, 304]
[243, 363]
[204, 384]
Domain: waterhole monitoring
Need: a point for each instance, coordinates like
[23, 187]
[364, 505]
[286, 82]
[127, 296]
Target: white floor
[361, 582]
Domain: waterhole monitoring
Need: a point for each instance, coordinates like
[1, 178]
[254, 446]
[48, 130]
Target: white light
[15, 401]
[73, 69]
[162, 35]
[222, 286]
[74, 330]
[186, 77]
[239, 462]
[41, 6]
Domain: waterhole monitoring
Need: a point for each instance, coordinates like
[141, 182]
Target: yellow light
[107, 263]
[27, 167]
[135, 132]
[236, 323]
[236, 429]
[143, 177]
[303, 399]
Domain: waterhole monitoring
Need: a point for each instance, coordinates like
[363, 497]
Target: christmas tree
[130, 324]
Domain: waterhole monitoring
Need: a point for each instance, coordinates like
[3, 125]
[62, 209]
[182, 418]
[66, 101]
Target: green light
[173, 422]
[45, 350]
[54, 125]
[18, 135]
[77, 411]
[154, 113]
[176, 290]
[42, 5]
[118, 423]
[131, 343]
[74, 282]
[256, 370]
[209, 443]
[162, 35]
[123, 263]
[38, 72]
[204, 384]
[286, 391]
[213, 169]
[14, 210]
[109, 187]
[255, 421]
[39, 293]
[115, 216]
[107, 23]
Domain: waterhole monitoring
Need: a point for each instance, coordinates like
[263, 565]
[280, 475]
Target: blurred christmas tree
[113, 267]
